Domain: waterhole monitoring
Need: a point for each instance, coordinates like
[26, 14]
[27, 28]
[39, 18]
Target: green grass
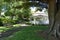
[3, 29]
[29, 33]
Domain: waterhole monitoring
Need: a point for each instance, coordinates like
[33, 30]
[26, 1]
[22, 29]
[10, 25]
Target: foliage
[7, 20]
[17, 8]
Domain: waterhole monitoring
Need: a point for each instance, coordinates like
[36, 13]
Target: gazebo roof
[39, 13]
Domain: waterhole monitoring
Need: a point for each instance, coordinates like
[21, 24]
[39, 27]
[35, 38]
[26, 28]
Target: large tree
[54, 20]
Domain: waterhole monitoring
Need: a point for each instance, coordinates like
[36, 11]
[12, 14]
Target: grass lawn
[28, 33]
[3, 29]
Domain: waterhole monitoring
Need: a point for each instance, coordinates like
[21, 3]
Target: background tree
[16, 8]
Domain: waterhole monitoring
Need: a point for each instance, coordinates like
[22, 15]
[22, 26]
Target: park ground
[26, 33]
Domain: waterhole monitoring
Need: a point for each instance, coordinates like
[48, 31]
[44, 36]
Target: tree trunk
[54, 20]
[51, 13]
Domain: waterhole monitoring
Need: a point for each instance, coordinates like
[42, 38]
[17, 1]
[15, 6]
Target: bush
[6, 21]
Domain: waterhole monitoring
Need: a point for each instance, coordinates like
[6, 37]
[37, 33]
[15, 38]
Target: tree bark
[51, 13]
[54, 20]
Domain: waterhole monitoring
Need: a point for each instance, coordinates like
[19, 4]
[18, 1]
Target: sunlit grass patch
[2, 29]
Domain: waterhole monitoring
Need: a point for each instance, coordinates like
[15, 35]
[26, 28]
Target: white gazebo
[40, 17]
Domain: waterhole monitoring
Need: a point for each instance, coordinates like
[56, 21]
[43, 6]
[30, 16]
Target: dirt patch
[45, 35]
